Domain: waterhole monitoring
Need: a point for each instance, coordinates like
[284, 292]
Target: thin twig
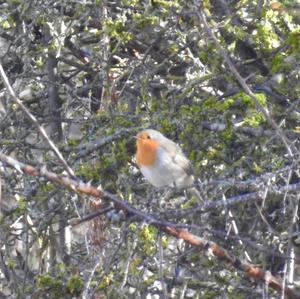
[161, 267]
[34, 121]
[77, 221]
[86, 149]
[85, 294]
[202, 18]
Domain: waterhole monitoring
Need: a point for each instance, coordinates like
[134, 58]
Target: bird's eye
[148, 137]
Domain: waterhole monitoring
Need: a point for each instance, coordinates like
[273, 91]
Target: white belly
[166, 173]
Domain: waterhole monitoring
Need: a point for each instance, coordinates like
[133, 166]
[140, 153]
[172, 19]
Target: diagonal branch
[34, 121]
[250, 269]
[202, 18]
[86, 149]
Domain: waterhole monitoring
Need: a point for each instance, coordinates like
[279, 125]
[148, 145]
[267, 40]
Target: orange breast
[146, 152]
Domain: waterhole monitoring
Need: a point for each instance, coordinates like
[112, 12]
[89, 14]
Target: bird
[162, 161]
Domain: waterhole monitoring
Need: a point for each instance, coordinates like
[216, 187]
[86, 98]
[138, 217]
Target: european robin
[162, 161]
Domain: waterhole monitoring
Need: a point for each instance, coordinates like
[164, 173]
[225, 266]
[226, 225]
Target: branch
[202, 18]
[250, 131]
[54, 100]
[86, 149]
[34, 121]
[244, 198]
[80, 67]
[169, 228]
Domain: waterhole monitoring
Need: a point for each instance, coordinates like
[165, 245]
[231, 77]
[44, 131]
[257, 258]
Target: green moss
[190, 110]
[144, 20]
[248, 101]
[123, 122]
[106, 281]
[133, 227]
[53, 285]
[117, 29]
[135, 264]
[11, 264]
[75, 285]
[203, 55]
[73, 141]
[22, 204]
[148, 233]
[266, 36]
[261, 98]
[122, 152]
[293, 40]
[39, 61]
[15, 2]
[227, 134]
[226, 104]
[103, 116]
[47, 187]
[236, 30]
[277, 62]
[167, 127]
[147, 238]
[91, 171]
[190, 203]
[166, 4]
[254, 119]
[213, 152]
[7, 23]
[244, 98]
[193, 155]
[257, 168]
[277, 162]
[214, 103]
[209, 103]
